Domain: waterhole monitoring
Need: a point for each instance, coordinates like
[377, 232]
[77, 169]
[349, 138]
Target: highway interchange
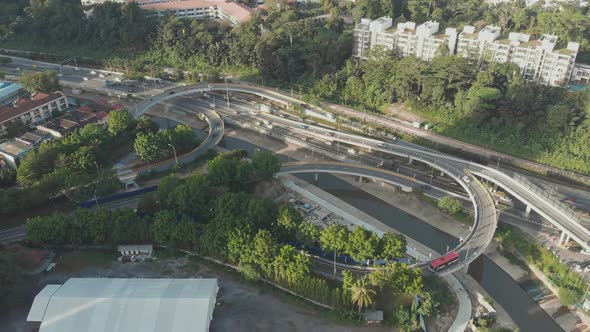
[485, 213]
[462, 171]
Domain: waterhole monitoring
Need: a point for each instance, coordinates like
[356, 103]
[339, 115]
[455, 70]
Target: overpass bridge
[486, 219]
[455, 167]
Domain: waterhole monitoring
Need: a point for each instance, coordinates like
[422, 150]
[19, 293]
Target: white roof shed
[125, 305]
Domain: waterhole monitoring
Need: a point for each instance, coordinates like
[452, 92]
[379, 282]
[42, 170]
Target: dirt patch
[243, 306]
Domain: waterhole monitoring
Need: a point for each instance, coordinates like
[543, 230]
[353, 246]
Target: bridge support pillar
[316, 177]
[561, 238]
[360, 179]
[465, 267]
[410, 161]
[442, 173]
[567, 239]
[527, 213]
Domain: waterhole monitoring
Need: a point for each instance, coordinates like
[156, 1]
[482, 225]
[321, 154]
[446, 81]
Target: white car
[587, 268]
[466, 179]
[85, 78]
[60, 75]
[101, 75]
[93, 72]
[381, 145]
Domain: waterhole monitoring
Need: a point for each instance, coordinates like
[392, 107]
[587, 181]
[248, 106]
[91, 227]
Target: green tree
[405, 319]
[361, 294]
[120, 121]
[308, 233]
[362, 244]
[288, 222]
[239, 242]
[46, 82]
[148, 147]
[291, 265]
[334, 239]
[392, 246]
[348, 279]
[48, 229]
[450, 205]
[265, 164]
[263, 252]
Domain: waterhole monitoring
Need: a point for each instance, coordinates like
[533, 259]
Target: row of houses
[542, 60]
[38, 113]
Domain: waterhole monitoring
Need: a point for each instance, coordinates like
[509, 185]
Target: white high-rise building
[424, 41]
[539, 60]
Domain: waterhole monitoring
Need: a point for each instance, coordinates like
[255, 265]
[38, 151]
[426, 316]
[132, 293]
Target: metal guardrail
[361, 166]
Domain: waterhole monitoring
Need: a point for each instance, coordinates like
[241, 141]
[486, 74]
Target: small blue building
[10, 92]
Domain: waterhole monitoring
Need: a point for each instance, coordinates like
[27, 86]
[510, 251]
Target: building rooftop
[24, 105]
[125, 305]
[240, 12]
[33, 137]
[8, 88]
[15, 148]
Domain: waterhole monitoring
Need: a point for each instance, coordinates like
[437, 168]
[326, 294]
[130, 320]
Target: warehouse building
[125, 305]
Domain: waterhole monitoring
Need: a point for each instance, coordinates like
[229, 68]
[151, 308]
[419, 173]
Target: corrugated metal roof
[129, 305]
[41, 302]
[7, 88]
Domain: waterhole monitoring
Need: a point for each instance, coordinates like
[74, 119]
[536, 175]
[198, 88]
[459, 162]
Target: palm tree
[361, 294]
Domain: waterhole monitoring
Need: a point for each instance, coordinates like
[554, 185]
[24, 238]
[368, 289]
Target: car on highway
[101, 75]
[381, 145]
[85, 78]
[466, 179]
[425, 187]
[93, 72]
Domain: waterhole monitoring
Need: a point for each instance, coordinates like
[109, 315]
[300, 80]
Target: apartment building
[581, 74]
[406, 39]
[200, 9]
[540, 60]
[32, 111]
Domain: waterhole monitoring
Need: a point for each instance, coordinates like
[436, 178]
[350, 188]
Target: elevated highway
[481, 232]
[459, 169]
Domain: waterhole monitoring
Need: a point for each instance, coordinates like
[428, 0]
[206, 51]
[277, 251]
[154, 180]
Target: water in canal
[525, 312]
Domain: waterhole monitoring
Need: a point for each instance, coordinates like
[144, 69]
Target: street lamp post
[227, 92]
[174, 149]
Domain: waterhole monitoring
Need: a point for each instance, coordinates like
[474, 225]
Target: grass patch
[513, 259]
[74, 261]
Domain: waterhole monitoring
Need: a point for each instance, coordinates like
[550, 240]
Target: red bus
[444, 261]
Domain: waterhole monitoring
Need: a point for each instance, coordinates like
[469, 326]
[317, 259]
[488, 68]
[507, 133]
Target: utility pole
[227, 92]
